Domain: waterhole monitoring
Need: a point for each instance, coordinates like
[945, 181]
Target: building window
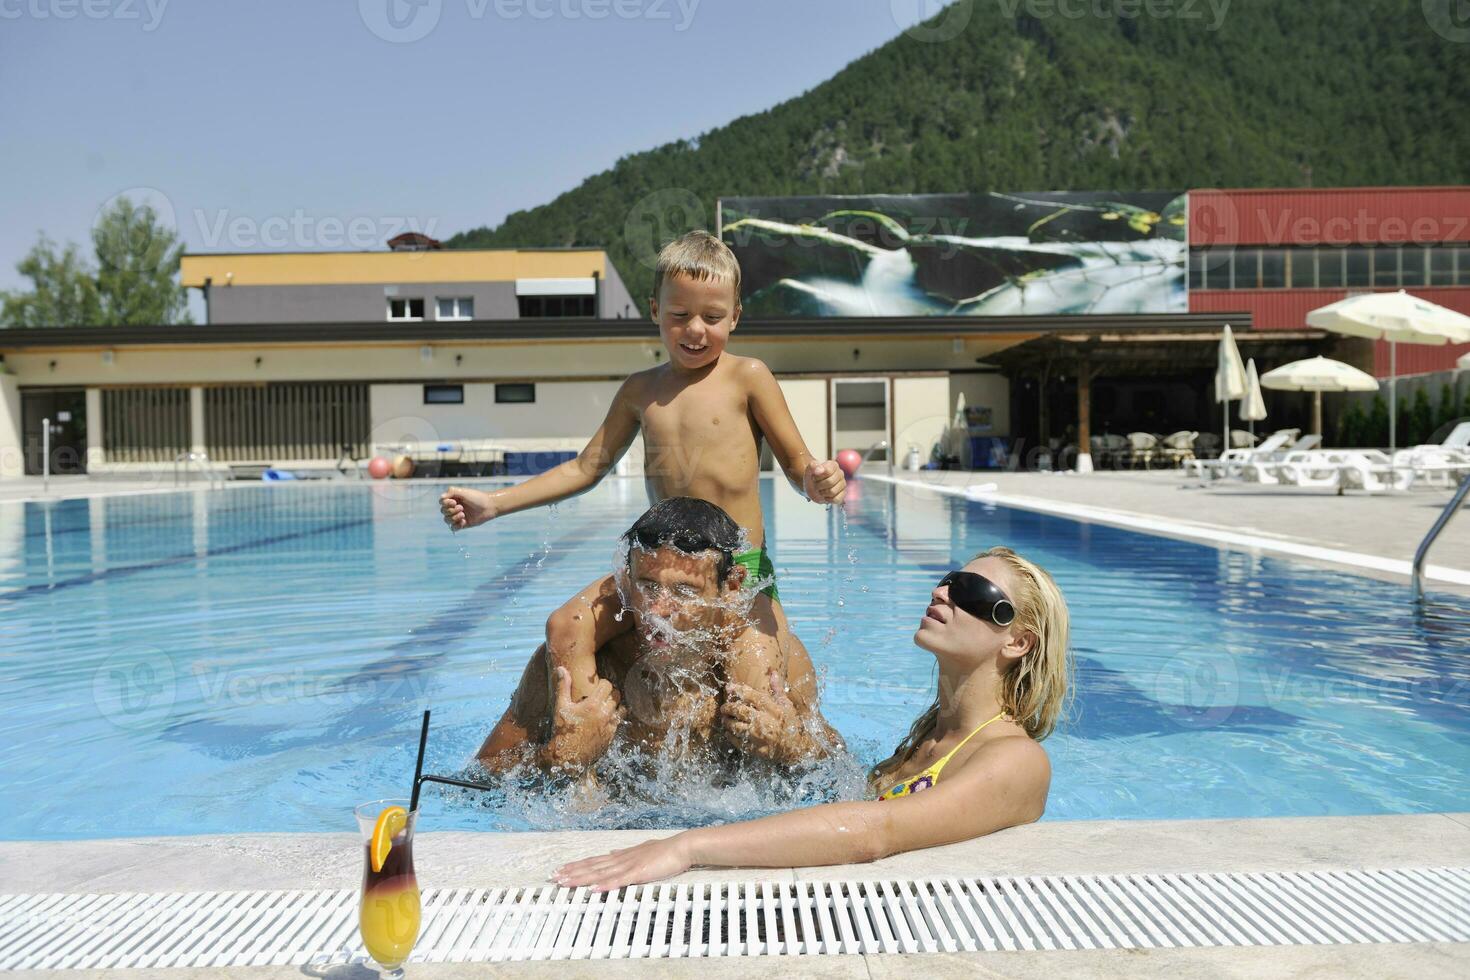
[443, 394]
[557, 306]
[456, 308]
[1359, 266]
[515, 394]
[1462, 265]
[405, 309]
[1217, 268]
[1441, 266]
[1197, 269]
[1330, 264]
[1273, 268]
[1247, 268]
[1302, 264]
[1386, 265]
[1413, 265]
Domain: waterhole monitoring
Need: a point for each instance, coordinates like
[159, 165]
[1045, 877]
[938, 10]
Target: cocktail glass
[389, 914]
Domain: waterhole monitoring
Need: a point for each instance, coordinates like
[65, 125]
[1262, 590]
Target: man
[679, 659]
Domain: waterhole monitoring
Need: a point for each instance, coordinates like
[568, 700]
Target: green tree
[1377, 429]
[1446, 405]
[1421, 418]
[132, 284]
[1350, 426]
[137, 260]
[63, 290]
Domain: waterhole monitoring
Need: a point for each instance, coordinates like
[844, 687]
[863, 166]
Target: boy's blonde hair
[1035, 690]
[700, 256]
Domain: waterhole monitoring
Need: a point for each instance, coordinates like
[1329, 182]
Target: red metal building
[1280, 253]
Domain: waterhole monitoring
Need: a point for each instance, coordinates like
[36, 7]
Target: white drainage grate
[1138, 911]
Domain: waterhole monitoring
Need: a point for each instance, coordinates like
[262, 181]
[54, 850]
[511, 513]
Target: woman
[998, 629]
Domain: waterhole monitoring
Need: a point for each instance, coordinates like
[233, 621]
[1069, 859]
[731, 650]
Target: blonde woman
[971, 765]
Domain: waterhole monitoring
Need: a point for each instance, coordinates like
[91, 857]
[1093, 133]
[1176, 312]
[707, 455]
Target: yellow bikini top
[930, 776]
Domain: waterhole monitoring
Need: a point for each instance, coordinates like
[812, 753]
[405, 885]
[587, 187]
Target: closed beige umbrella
[1253, 405]
[1318, 374]
[1464, 362]
[1229, 379]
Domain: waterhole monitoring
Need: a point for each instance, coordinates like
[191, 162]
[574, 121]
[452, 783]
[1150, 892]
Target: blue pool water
[256, 659]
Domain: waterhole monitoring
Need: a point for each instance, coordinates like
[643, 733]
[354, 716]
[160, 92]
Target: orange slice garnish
[390, 822]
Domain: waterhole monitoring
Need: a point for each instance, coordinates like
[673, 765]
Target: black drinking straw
[418, 767]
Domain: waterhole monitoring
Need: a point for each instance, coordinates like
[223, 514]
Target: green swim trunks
[758, 567]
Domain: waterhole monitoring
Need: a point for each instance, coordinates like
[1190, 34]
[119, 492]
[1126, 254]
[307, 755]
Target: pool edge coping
[1166, 527]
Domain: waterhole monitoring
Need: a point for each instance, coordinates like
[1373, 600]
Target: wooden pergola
[1089, 354]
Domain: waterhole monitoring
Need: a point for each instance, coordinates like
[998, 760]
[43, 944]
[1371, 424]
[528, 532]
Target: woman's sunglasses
[979, 597]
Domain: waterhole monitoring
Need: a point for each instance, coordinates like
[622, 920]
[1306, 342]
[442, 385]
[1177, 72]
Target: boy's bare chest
[708, 418]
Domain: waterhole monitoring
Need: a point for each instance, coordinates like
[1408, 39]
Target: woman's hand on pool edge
[463, 508]
[649, 861]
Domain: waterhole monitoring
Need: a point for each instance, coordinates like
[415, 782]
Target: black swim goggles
[979, 597]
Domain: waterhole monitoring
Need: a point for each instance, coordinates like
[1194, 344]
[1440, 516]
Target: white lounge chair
[1231, 460]
[1321, 468]
[1262, 467]
[1439, 463]
[1373, 471]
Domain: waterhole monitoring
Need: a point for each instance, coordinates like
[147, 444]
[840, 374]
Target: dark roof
[631, 329]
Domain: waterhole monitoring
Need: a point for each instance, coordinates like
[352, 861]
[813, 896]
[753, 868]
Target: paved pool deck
[470, 859]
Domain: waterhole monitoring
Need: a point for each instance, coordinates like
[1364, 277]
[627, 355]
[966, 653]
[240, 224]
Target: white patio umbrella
[1399, 319]
[1229, 379]
[1318, 374]
[1252, 406]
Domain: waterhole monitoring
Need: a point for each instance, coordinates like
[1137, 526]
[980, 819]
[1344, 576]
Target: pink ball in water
[378, 468]
[849, 460]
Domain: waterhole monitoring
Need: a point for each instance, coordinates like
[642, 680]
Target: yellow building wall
[438, 265]
[922, 410]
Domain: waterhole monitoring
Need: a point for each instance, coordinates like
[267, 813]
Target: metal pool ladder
[199, 461]
[1439, 525]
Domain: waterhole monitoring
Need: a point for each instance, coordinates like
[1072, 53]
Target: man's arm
[770, 704]
[547, 727]
[818, 480]
[585, 624]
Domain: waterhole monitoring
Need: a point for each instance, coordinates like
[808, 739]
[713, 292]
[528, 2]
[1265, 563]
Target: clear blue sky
[277, 123]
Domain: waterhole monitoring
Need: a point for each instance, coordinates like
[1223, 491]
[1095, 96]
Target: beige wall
[922, 410]
[195, 364]
[564, 416]
[807, 398]
[567, 409]
[12, 458]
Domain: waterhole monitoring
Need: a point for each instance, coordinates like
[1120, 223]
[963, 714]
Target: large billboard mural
[992, 254]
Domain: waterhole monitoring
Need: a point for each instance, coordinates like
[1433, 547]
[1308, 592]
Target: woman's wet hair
[690, 526]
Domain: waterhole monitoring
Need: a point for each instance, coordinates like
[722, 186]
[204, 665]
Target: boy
[703, 415]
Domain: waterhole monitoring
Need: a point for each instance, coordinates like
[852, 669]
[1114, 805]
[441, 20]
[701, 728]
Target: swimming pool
[256, 658]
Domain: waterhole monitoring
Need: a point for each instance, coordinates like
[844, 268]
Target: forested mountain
[1279, 93]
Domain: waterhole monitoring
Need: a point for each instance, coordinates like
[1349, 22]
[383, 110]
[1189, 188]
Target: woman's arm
[1003, 784]
[819, 480]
